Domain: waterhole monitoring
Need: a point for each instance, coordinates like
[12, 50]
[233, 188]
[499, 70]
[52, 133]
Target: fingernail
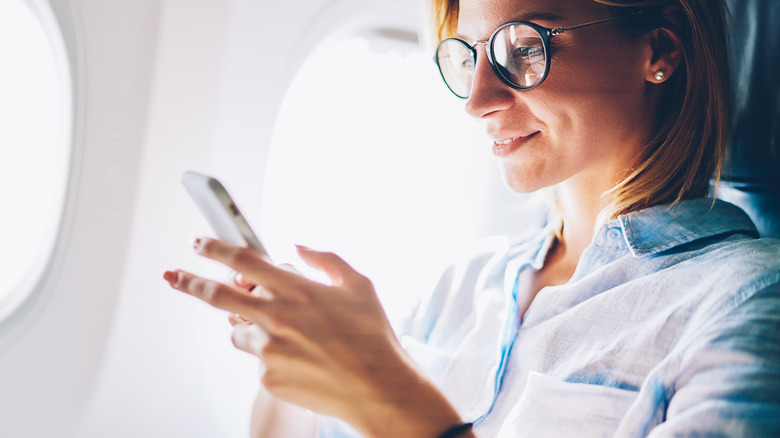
[171, 277]
[304, 248]
[240, 280]
[197, 244]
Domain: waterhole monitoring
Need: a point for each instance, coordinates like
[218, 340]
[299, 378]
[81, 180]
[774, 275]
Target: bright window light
[373, 158]
[35, 138]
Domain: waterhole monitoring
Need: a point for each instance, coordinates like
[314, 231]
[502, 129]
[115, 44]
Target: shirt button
[613, 234]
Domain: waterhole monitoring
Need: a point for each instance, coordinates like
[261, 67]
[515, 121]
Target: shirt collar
[532, 248]
[663, 227]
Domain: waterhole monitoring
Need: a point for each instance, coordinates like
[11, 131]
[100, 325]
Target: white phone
[221, 212]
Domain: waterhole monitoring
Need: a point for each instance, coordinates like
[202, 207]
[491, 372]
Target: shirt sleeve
[729, 381]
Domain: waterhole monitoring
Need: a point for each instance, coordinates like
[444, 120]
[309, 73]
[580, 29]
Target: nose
[488, 92]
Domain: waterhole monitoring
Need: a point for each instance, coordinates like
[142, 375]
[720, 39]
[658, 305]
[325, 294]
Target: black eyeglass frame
[545, 33]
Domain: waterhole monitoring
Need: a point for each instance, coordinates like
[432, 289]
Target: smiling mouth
[502, 148]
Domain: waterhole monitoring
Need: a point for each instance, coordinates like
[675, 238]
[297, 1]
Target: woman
[641, 309]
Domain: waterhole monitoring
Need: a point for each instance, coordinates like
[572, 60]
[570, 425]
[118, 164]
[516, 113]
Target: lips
[507, 145]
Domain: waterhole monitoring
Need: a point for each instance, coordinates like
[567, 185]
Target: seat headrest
[751, 175]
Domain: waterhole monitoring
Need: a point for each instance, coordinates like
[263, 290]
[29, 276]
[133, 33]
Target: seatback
[751, 176]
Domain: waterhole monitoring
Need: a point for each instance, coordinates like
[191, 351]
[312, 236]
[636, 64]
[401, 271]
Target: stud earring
[659, 75]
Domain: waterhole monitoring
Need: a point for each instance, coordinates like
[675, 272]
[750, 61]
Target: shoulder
[726, 273]
[702, 239]
[735, 284]
[739, 262]
[750, 270]
[705, 259]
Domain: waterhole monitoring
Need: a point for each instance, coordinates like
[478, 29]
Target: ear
[667, 52]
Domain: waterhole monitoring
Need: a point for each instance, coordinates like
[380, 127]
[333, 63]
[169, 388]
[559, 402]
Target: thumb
[339, 271]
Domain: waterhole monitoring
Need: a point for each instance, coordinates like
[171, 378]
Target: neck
[580, 208]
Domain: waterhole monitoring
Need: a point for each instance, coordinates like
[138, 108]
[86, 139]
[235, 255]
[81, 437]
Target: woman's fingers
[290, 268]
[251, 264]
[316, 341]
[235, 319]
[250, 338]
[220, 295]
[238, 280]
[339, 271]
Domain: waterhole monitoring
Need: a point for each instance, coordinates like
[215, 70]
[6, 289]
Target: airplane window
[35, 139]
[374, 159]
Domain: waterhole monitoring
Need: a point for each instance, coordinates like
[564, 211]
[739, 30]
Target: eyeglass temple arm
[560, 30]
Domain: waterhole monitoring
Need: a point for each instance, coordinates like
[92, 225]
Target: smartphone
[221, 211]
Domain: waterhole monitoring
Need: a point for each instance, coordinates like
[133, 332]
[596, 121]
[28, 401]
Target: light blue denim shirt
[670, 326]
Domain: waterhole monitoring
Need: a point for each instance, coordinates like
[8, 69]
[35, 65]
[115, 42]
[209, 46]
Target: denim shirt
[670, 326]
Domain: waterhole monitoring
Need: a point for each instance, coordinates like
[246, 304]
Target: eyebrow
[525, 16]
[530, 16]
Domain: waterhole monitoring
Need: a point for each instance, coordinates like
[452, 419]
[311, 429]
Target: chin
[520, 182]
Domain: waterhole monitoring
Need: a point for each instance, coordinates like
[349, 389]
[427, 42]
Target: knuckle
[242, 259]
[279, 323]
[238, 338]
[212, 293]
[235, 338]
[184, 281]
[260, 292]
[207, 246]
[233, 277]
[270, 380]
[250, 338]
[268, 350]
[275, 368]
[274, 325]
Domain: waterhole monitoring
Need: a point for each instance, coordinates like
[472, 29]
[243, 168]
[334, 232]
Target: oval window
[373, 158]
[35, 114]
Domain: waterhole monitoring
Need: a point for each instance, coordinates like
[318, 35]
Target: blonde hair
[443, 18]
[690, 141]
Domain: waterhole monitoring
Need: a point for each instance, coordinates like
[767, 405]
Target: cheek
[602, 70]
[582, 97]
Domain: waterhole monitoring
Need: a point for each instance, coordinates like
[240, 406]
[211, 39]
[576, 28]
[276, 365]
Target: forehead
[477, 19]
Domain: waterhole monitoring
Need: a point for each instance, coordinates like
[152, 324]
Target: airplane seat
[751, 174]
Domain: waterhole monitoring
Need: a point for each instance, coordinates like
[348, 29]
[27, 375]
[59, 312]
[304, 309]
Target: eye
[467, 64]
[528, 52]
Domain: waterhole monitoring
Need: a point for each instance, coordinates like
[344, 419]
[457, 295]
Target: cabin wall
[105, 348]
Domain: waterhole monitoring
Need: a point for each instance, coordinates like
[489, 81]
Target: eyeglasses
[519, 52]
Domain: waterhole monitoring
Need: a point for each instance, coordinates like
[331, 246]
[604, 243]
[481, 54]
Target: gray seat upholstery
[751, 176]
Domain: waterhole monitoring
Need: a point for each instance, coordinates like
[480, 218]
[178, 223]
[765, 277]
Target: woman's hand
[326, 348]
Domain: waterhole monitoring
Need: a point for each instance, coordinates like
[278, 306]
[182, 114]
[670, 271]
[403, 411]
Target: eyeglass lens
[518, 54]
